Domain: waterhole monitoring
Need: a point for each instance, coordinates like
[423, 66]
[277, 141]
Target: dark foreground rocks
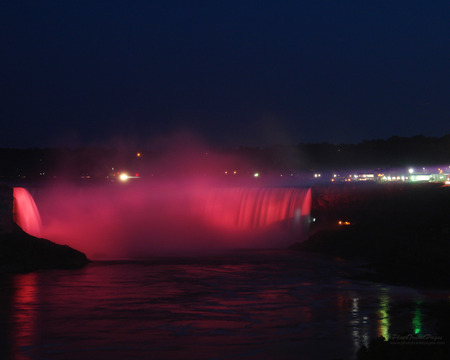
[21, 252]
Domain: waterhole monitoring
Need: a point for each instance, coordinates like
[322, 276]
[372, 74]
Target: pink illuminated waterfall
[26, 213]
[163, 218]
[257, 208]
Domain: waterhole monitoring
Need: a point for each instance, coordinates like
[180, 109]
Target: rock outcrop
[21, 252]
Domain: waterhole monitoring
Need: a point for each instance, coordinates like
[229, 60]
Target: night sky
[76, 73]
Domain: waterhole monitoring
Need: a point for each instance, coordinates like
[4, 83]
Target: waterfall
[160, 218]
[257, 208]
[25, 212]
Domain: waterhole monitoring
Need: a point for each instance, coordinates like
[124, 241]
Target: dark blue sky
[234, 72]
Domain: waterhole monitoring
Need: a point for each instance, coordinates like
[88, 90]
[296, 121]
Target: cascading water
[25, 212]
[257, 208]
[164, 218]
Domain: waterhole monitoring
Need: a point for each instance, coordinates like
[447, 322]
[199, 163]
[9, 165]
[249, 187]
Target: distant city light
[256, 175]
[346, 223]
[123, 177]
[410, 170]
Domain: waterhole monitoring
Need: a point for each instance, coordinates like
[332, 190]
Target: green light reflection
[383, 315]
[417, 320]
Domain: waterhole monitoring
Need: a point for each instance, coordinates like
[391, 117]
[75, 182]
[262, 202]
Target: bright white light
[256, 174]
[410, 170]
[423, 177]
[123, 177]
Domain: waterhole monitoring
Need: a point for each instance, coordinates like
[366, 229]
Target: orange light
[138, 154]
[346, 223]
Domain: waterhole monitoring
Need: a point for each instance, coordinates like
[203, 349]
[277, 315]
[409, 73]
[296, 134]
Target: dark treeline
[391, 153]
[99, 162]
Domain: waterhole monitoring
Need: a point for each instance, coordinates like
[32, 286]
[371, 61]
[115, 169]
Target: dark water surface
[240, 305]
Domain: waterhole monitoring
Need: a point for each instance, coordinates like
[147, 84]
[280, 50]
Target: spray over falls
[152, 219]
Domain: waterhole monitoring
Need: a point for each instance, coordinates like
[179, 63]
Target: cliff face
[21, 252]
[6, 209]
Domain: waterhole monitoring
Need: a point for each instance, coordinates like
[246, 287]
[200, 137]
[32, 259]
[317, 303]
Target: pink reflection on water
[24, 315]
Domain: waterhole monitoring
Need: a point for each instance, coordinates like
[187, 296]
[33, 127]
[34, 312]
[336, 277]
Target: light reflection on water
[24, 314]
[417, 321]
[250, 305]
[383, 313]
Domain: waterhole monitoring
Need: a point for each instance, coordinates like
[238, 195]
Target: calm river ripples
[238, 305]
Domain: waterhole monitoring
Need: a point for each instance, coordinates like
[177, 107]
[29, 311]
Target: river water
[235, 305]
